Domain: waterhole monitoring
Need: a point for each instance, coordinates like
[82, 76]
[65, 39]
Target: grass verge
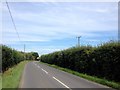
[112, 84]
[11, 77]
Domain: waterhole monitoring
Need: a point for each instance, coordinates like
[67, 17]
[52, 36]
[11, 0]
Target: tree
[35, 55]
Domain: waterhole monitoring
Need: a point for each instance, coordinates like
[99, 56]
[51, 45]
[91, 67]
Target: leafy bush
[11, 57]
[101, 61]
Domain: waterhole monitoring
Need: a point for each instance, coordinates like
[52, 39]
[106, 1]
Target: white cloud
[61, 0]
[55, 21]
[102, 10]
[0, 23]
[50, 22]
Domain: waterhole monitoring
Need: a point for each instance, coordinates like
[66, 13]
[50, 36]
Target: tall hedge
[101, 61]
[11, 57]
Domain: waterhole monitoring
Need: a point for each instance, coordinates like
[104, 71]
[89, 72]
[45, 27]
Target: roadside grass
[111, 84]
[11, 77]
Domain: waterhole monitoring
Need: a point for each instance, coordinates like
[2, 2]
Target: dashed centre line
[62, 83]
[44, 71]
[38, 66]
[54, 77]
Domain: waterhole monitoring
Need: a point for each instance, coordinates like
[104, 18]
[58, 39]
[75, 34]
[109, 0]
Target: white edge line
[61, 83]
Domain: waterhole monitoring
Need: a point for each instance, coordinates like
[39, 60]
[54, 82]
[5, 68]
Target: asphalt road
[38, 75]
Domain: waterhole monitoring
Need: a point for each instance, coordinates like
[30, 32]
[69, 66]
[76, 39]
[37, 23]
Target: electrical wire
[13, 20]
[14, 23]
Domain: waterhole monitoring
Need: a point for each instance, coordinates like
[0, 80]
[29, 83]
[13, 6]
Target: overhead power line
[14, 25]
[13, 21]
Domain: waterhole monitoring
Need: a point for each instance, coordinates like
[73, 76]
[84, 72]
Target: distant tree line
[11, 57]
[102, 61]
[31, 56]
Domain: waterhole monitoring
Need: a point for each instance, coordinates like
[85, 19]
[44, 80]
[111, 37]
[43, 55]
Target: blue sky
[51, 26]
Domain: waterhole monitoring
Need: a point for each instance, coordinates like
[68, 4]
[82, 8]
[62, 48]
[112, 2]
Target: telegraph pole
[78, 41]
[24, 52]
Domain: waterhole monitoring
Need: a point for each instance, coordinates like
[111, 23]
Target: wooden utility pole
[24, 52]
[78, 41]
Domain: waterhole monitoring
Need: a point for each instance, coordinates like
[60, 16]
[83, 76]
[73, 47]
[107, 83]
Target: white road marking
[54, 78]
[61, 83]
[38, 66]
[44, 71]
